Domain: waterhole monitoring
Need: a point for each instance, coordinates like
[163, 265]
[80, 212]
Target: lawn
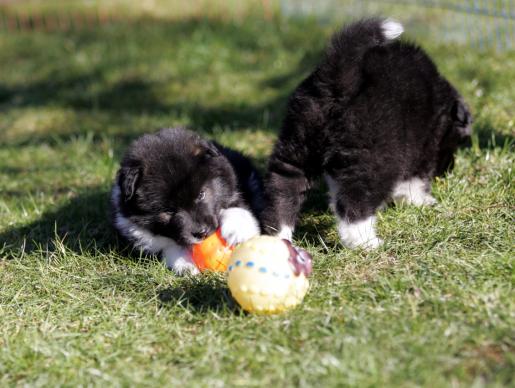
[434, 306]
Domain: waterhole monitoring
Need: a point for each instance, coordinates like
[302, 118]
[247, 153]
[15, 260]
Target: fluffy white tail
[391, 29]
[345, 53]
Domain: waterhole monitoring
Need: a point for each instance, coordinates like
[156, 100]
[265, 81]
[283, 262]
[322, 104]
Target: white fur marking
[392, 29]
[175, 257]
[179, 260]
[413, 191]
[286, 232]
[238, 225]
[359, 234]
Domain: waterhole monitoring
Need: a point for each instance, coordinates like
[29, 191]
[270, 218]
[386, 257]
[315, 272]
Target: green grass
[433, 307]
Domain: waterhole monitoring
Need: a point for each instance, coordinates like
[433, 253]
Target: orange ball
[212, 254]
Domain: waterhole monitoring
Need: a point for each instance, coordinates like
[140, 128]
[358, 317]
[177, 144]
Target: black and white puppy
[377, 120]
[174, 188]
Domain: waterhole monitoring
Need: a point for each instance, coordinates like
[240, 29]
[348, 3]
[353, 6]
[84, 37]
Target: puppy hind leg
[414, 191]
[355, 213]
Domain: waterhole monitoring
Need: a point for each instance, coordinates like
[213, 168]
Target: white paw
[286, 232]
[182, 268]
[428, 200]
[414, 191]
[373, 243]
[179, 260]
[360, 234]
[238, 225]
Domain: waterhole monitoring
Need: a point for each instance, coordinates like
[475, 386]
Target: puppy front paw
[179, 260]
[238, 225]
[373, 243]
[183, 268]
[363, 243]
[429, 200]
[359, 234]
[286, 232]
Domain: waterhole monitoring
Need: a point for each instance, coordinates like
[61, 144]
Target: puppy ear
[128, 181]
[462, 118]
[207, 149]
[212, 150]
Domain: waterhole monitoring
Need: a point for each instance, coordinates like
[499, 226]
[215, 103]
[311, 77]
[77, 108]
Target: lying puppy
[377, 120]
[174, 188]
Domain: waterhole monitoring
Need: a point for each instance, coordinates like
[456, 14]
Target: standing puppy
[377, 120]
[174, 188]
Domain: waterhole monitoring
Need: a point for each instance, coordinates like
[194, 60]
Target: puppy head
[457, 133]
[174, 184]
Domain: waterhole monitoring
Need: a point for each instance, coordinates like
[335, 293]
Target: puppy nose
[201, 233]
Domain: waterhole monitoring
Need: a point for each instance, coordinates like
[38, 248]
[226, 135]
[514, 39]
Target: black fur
[174, 184]
[373, 113]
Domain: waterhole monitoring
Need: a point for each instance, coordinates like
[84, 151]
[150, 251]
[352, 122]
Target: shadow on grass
[199, 294]
[81, 225]
[489, 137]
[117, 113]
[114, 106]
[315, 220]
[91, 90]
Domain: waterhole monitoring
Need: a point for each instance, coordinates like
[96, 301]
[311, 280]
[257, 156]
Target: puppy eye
[201, 196]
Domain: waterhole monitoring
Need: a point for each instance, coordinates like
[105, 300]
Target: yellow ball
[262, 277]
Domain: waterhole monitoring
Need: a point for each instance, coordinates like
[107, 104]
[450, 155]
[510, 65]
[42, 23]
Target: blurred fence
[13, 21]
[482, 24]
